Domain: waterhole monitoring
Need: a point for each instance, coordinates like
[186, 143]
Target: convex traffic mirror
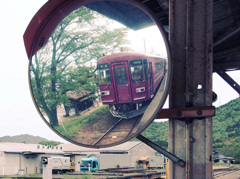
[99, 70]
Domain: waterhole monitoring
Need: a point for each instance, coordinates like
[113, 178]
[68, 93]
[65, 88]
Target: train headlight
[105, 93]
[140, 90]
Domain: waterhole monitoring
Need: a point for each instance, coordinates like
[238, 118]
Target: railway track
[106, 130]
[225, 173]
[119, 131]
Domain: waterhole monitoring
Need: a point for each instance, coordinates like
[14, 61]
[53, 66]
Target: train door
[122, 82]
[151, 78]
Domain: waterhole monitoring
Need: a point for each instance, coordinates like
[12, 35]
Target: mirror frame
[45, 21]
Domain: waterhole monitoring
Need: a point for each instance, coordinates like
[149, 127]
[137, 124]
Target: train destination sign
[99, 71]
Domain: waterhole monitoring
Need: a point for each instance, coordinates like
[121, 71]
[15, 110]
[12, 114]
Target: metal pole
[227, 78]
[191, 44]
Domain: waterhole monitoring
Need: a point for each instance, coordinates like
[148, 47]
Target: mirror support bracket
[161, 150]
[227, 78]
[187, 113]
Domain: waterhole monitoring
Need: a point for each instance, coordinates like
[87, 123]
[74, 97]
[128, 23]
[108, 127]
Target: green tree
[158, 133]
[59, 66]
[49, 143]
[232, 149]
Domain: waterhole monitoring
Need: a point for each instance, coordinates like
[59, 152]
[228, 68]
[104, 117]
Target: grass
[221, 164]
[64, 176]
[76, 123]
[87, 175]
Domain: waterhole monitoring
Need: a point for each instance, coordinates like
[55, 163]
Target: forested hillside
[226, 123]
[226, 133]
[23, 138]
[226, 129]
[158, 133]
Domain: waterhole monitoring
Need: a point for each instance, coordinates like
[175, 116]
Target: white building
[23, 158]
[123, 155]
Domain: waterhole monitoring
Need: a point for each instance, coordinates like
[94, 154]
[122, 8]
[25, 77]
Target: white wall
[112, 160]
[11, 163]
[142, 150]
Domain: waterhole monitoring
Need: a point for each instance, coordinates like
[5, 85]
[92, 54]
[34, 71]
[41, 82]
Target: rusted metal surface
[191, 44]
[226, 34]
[188, 112]
[158, 175]
[124, 170]
[225, 24]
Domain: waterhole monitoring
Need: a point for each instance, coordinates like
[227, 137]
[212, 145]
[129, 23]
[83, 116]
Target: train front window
[121, 76]
[104, 75]
[138, 70]
[86, 163]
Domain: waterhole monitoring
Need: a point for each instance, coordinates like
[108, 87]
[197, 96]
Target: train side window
[104, 75]
[121, 76]
[159, 67]
[94, 164]
[139, 70]
[145, 70]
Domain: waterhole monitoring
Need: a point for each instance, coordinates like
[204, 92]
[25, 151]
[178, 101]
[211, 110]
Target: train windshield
[121, 76]
[141, 162]
[139, 70]
[104, 75]
[86, 163]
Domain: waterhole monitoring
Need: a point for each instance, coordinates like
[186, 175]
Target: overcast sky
[17, 111]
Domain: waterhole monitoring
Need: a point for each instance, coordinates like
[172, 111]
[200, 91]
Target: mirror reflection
[95, 77]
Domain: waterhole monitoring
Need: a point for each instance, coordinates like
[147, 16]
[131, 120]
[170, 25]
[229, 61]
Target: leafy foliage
[78, 122]
[60, 66]
[158, 133]
[232, 149]
[226, 133]
[49, 143]
[226, 124]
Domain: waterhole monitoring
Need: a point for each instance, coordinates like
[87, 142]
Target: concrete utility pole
[47, 168]
[191, 44]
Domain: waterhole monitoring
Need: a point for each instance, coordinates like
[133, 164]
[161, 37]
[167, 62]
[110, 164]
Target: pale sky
[17, 111]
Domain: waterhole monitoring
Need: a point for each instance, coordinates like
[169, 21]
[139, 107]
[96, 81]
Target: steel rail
[108, 131]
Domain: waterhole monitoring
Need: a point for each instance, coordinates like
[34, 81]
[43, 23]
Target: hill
[24, 137]
[226, 123]
[158, 133]
[226, 126]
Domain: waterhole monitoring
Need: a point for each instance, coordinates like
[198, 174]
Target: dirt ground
[225, 173]
[95, 129]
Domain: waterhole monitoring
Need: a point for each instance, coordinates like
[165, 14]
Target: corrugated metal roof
[226, 25]
[119, 148]
[26, 148]
[121, 13]
[77, 94]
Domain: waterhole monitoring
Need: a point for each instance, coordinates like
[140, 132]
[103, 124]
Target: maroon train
[128, 81]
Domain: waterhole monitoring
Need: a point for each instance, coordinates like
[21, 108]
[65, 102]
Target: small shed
[80, 101]
[228, 160]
